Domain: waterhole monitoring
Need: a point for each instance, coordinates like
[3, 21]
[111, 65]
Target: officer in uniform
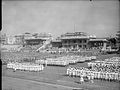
[73, 72]
[92, 77]
[14, 68]
[116, 76]
[45, 62]
[81, 79]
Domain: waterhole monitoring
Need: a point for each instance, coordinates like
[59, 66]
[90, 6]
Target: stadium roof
[97, 40]
[75, 37]
[75, 34]
[36, 38]
[56, 40]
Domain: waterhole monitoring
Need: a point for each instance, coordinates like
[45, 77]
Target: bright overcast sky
[100, 18]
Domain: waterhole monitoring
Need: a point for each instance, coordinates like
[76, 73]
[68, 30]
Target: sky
[100, 18]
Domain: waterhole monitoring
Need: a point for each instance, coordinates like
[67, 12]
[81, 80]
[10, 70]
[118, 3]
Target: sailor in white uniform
[81, 79]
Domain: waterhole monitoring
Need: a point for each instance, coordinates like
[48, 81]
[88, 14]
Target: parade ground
[53, 78]
[60, 45]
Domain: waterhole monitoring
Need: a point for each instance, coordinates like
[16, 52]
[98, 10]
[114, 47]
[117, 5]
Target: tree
[113, 41]
[118, 39]
[118, 35]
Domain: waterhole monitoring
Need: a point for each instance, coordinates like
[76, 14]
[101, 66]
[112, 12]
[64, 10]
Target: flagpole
[74, 28]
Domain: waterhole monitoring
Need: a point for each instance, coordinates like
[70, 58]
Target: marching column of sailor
[93, 74]
[25, 66]
[108, 70]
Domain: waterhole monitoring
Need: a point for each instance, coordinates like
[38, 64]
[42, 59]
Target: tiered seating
[45, 45]
[10, 48]
[26, 49]
[16, 56]
[54, 50]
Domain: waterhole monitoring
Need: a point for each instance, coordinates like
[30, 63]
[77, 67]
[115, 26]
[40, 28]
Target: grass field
[53, 78]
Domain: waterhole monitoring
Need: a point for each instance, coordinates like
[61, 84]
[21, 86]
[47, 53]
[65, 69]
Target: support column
[104, 45]
[77, 46]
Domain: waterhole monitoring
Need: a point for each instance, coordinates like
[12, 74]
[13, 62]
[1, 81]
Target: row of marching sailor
[109, 65]
[104, 67]
[52, 62]
[112, 61]
[25, 66]
[85, 72]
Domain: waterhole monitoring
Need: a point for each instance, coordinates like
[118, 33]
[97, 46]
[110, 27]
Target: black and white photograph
[60, 45]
